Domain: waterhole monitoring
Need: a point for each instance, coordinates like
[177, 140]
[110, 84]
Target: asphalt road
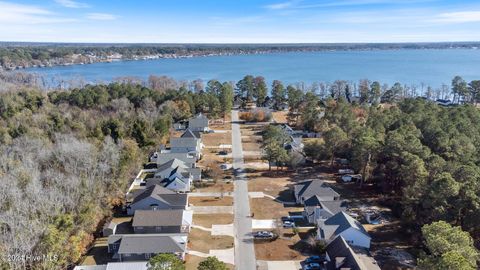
[244, 249]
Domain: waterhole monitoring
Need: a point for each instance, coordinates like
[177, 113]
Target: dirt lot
[277, 184]
[202, 241]
[207, 220]
[266, 208]
[215, 187]
[280, 117]
[281, 249]
[191, 262]
[210, 201]
[216, 139]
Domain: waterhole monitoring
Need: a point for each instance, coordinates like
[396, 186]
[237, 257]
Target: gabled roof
[171, 164]
[332, 207]
[162, 194]
[189, 134]
[127, 266]
[339, 223]
[342, 256]
[153, 218]
[150, 243]
[311, 188]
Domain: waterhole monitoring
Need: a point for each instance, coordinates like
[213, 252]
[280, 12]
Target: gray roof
[127, 266]
[189, 134]
[91, 267]
[332, 207]
[311, 188]
[149, 243]
[342, 256]
[171, 164]
[162, 194]
[150, 218]
[339, 223]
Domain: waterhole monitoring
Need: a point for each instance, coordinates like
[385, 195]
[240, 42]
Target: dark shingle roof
[311, 188]
[339, 223]
[149, 243]
[149, 218]
[162, 194]
[343, 256]
[189, 134]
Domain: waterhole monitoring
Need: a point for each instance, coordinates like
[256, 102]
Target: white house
[164, 156]
[343, 225]
[198, 123]
[339, 255]
[187, 143]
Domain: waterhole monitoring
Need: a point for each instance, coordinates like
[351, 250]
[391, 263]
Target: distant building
[187, 143]
[198, 123]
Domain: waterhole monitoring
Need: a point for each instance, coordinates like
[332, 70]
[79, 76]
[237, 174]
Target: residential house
[198, 123]
[306, 189]
[162, 221]
[341, 224]
[156, 197]
[176, 167]
[115, 266]
[187, 143]
[316, 209]
[166, 155]
[141, 247]
[109, 228]
[178, 183]
[340, 255]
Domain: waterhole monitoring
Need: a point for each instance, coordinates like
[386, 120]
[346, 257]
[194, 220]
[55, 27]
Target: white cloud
[458, 17]
[101, 16]
[283, 5]
[12, 13]
[71, 4]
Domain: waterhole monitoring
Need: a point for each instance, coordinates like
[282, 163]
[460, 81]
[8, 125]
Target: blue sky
[245, 21]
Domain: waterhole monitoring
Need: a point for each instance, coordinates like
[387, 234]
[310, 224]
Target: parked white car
[346, 171]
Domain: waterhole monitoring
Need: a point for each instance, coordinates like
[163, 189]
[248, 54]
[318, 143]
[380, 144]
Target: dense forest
[66, 157]
[21, 55]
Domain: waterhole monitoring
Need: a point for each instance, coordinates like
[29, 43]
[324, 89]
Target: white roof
[127, 266]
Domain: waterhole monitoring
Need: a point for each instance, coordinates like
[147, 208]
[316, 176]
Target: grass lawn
[210, 201]
[202, 241]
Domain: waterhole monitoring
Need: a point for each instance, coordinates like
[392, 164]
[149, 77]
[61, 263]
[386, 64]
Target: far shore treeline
[67, 155]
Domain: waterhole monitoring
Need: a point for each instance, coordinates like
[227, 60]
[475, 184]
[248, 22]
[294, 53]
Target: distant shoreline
[40, 55]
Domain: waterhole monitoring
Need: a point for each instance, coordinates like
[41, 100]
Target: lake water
[431, 67]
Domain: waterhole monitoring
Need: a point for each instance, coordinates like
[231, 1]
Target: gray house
[346, 226]
[198, 123]
[166, 155]
[177, 166]
[306, 189]
[340, 255]
[141, 247]
[187, 143]
[316, 209]
[109, 228]
[157, 197]
[162, 221]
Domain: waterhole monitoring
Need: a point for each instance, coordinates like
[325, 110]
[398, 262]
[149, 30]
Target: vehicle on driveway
[315, 259]
[223, 153]
[288, 224]
[263, 235]
[346, 171]
[312, 266]
[351, 177]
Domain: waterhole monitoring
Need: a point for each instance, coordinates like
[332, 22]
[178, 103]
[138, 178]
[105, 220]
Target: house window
[158, 229]
[147, 256]
[126, 254]
[140, 227]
